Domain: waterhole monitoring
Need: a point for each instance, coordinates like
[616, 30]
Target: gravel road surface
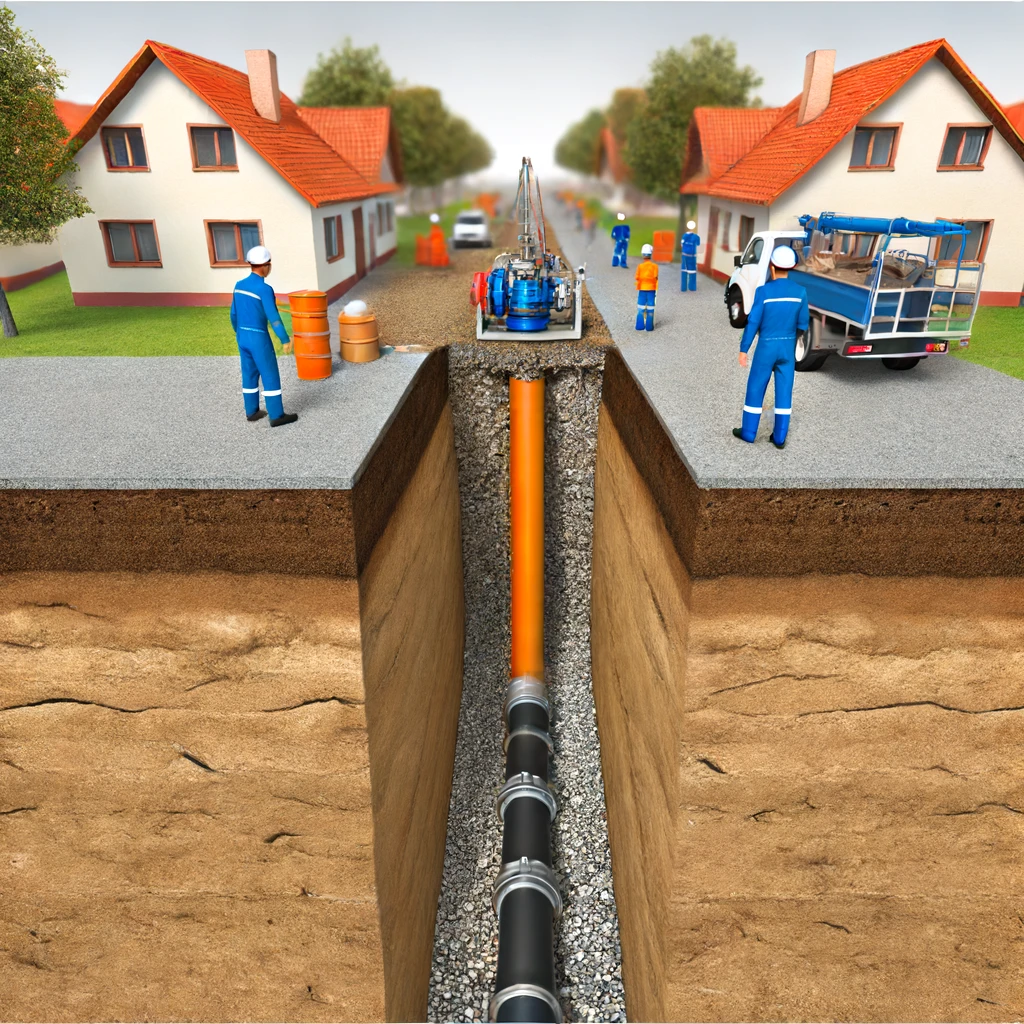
[945, 423]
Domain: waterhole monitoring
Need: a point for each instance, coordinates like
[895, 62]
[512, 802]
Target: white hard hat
[257, 256]
[690, 225]
[435, 218]
[647, 250]
[783, 257]
[621, 216]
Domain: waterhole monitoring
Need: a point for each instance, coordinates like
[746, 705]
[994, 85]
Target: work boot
[288, 417]
[776, 443]
[736, 432]
[257, 415]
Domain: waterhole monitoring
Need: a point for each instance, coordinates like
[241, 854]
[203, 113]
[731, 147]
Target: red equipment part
[478, 292]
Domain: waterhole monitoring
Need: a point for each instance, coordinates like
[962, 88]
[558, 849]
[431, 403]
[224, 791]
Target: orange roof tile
[291, 147]
[360, 134]
[1015, 115]
[789, 151]
[72, 114]
[720, 136]
[608, 147]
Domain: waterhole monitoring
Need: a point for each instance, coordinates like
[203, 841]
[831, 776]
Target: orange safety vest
[647, 276]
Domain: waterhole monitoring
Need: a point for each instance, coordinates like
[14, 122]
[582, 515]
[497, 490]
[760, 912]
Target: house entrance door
[373, 241]
[357, 231]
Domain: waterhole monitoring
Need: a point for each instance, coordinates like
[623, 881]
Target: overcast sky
[521, 72]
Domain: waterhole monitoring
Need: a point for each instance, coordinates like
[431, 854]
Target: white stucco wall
[23, 259]
[722, 260]
[930, 101]
[179, 199]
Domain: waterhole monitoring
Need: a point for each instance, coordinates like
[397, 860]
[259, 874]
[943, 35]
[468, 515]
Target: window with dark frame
[874, 148]
[131, 243]
[230, 241]
[746, 231]
[125, 149]
[964, 146]
[213, 148]
[334, 238]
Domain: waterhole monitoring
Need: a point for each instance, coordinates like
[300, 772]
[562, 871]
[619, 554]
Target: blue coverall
[253, 309]
[620, 233]
[778, 314]
[689, 245]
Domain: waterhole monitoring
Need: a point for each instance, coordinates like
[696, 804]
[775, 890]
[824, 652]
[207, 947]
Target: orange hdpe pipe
[526, 427]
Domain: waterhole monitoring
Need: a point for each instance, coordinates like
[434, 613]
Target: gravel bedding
[588, 954]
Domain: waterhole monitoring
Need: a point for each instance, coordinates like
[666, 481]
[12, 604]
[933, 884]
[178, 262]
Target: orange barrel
[359, 339]
[438, 248]
[312, 355]
[422, 251]
[308, 302]
[664, 246]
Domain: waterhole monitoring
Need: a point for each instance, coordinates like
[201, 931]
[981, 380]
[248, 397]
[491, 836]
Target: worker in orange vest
[646, 289]
[438, 245]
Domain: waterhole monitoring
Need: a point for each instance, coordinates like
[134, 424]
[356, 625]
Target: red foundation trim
[153, 298]
[339, 289]
[1002, 299]
[16, 281]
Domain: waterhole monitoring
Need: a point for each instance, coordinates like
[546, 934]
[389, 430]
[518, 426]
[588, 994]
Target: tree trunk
[6, 316]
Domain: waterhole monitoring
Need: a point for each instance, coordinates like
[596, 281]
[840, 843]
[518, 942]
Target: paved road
[946, 423]
[134, 423]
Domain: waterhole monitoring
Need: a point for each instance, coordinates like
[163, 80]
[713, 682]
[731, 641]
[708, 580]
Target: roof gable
[789, 151]
[362, 135]
[73, 115]
[718, 137]
[1015, 115]
[291, 147]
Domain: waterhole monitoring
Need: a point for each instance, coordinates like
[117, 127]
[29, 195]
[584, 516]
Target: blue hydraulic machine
[532, 294]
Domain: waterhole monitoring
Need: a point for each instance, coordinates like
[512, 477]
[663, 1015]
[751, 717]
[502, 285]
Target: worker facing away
[689, 246]
[253, 310]
[778, 315]
[646, 289]
[620, 235]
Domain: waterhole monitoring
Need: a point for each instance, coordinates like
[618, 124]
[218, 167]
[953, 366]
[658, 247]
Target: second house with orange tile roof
[912, 134]
[188, 164]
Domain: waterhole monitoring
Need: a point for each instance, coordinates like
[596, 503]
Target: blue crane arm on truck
[869, 299]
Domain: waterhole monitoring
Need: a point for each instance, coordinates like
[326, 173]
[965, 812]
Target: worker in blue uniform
[689, 245]
[779, 313]
[620, 235]
[253, 309]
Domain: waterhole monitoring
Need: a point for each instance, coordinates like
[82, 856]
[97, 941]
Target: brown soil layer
[793, 531]
[814, 786]
[429, 306]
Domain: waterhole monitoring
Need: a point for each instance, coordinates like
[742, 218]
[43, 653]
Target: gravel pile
[588, 954]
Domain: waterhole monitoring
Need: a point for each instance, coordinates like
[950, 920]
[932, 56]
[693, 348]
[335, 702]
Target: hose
[526, 897]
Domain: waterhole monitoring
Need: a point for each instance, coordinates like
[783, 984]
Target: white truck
[868, 299]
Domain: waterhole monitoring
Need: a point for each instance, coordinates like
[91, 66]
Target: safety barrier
[664, 246]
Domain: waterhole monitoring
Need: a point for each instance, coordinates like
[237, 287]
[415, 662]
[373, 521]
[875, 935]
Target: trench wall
[225, 764]
[813, 785]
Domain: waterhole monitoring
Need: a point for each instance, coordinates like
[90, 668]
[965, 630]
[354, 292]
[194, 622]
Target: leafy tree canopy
[577, 149]
[349, 76]
[625, 105]
[34, 200]
[702, 74]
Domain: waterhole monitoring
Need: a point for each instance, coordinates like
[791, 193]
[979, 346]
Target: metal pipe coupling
[525, 785]
[532, 991]
[530, 730]
[527, 874]
[526, 690]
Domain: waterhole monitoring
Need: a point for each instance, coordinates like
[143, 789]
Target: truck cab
[752, 271]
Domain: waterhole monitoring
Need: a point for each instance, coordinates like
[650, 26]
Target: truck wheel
[806, 358]
[901, 364]
[737, 318]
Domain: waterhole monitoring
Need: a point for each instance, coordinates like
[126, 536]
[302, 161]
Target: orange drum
[308, 302]
[312, 355]
[359, 338]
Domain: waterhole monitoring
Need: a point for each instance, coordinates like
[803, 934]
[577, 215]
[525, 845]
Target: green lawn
[641, 230]
[997, 340]
[50, 324]
[419, 224]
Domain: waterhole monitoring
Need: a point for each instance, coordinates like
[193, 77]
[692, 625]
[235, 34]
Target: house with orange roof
[22, 265]
[911, 134]
[1015, 114]
[188, 164]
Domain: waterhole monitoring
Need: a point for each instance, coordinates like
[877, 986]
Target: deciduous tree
[576, 150]
[349, 76]
[35, 197]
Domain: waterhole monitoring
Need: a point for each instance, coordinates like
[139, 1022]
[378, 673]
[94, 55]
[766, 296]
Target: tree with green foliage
[349, 76]
[467, 150]
[625, 107]
[577, 149]
[702, 74]
[34, 157]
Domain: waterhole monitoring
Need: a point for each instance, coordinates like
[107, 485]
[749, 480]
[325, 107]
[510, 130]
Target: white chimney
[263, 87]
[817, 84]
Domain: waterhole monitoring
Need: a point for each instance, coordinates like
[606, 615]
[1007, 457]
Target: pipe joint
[527, 874]
[525, 785]
[530, 730]
[526, 690]
[532, 991]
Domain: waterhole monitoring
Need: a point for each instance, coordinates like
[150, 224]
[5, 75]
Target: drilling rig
[532, 294]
